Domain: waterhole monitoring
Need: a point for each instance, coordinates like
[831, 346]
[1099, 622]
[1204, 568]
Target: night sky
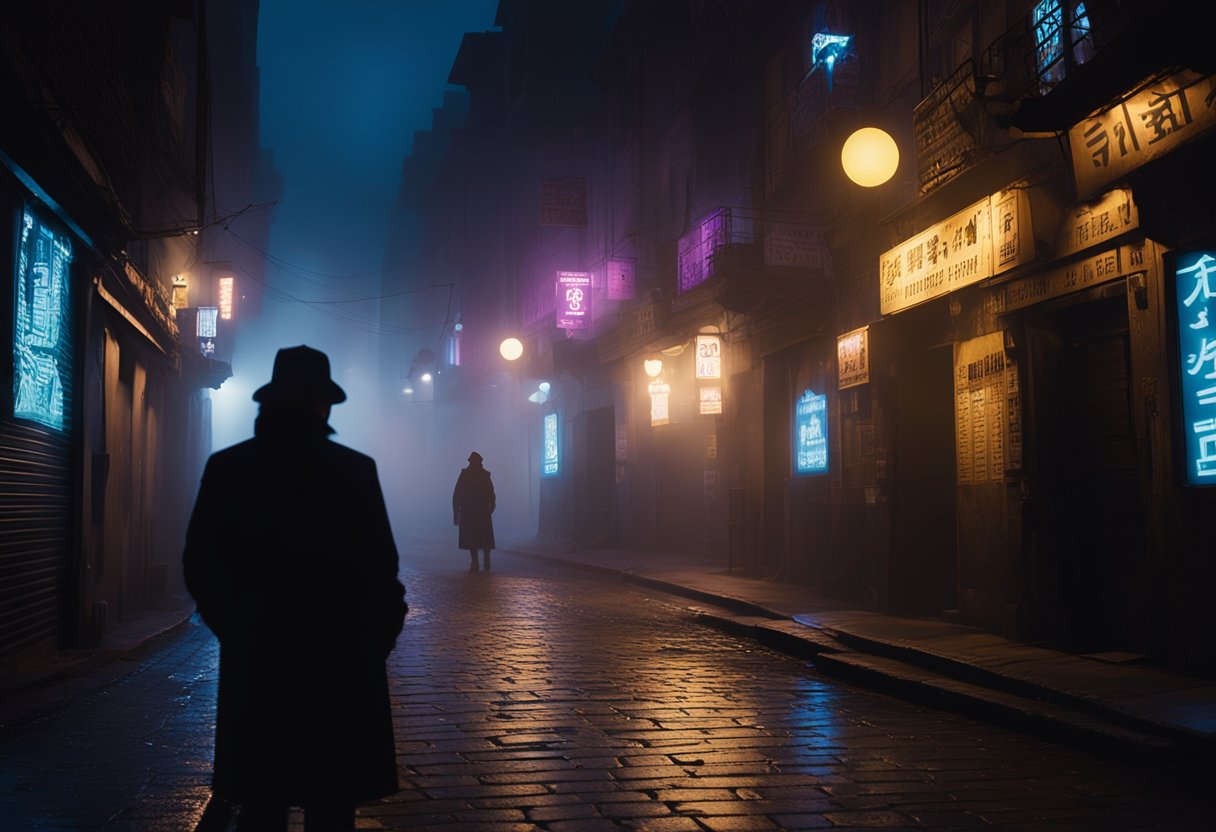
[344, 86]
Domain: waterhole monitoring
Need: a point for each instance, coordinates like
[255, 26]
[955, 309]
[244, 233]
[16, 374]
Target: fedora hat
[300, 374]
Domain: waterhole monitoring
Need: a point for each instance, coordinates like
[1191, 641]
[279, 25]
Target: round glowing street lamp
[511, 349]
[653, 367]
[869, 157]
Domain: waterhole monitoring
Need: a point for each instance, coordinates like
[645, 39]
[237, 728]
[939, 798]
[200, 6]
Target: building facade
[977, 390]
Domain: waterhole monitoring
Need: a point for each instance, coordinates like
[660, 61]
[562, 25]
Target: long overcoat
[291, 561]
[473, 503]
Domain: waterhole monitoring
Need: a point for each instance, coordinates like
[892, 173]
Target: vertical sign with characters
[549, 456]
[811, 434]
[573, 300]
[1195, 273]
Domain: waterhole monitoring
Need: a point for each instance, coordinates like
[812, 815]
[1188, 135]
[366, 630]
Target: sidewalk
[1093, 701]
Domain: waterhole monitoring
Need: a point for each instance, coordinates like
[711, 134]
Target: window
[1059, 44]
[40, 342]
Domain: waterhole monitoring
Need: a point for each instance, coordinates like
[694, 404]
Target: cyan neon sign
[1195, 276]
[41, 314]
[549, 462]
[811, 434]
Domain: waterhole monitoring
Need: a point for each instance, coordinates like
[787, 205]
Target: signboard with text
[1148, 124]
[1194, 288]
[811, 434]
[853, 358]
[563, 201]
[549, 456]
[709, 357]
[620, 283]
[573, 300]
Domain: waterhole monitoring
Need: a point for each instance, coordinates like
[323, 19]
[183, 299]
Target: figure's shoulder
[344, 455]
[232, 454]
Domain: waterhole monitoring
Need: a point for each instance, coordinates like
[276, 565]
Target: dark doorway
[600, 521]
[923, 573]
[1094, 528]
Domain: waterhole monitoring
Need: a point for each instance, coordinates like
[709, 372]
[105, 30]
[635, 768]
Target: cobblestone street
[530, 698]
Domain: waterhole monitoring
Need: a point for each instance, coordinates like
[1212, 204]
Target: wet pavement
[539, 698]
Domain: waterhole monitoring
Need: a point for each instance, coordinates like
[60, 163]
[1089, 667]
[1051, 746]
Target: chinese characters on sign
[1154, 121]
[549, 456]
[1097, 222]
[811, 434]
[853, 357]
[660, 413]
[980, 409]
[40, 326]
[709, 357]
[573, 300]
[947, 256]
[563, 201]
[226, 291]
[984, 239]
[694, 257]
[1195, 287]
[710, 400]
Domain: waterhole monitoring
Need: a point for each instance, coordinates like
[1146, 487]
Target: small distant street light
[426, 377]
[869, 157]
[511, 349]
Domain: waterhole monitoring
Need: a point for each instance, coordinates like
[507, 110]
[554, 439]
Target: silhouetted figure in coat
[291, 560]
[472, 505]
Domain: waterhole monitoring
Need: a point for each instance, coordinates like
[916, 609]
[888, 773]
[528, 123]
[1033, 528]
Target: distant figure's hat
[474, 457]
[300, 374]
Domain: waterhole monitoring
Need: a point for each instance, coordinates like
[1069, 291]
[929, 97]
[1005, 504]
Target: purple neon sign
[573, 300]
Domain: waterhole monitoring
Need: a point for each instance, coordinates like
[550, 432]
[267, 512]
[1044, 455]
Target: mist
[341, 97]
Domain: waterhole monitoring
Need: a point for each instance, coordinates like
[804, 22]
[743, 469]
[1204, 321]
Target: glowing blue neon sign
[1195, 274]
[549, 462]
[40, 325]
[811, 434]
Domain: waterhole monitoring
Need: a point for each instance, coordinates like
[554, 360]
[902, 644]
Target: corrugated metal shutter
[34, 533]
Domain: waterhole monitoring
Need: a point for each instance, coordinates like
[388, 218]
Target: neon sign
[811, 434]
[550, 461]
[226, 292]
[573, 300]
[40, 325]
[1195, 274]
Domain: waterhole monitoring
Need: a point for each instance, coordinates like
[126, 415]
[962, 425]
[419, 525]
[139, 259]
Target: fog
[341, 96]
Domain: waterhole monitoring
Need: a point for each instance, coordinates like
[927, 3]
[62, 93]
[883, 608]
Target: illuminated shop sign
[40, 323]
[811, 434]
[660, 411]
[227, 287]
[986, 238]
[1195, 276]
[709, 356]
[853, 358]
[549, 461]
[181, 291]
[711, 400]
[1154, 121]
[573, 300]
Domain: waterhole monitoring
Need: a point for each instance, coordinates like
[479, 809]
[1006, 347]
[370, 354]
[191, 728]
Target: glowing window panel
[227, 287]
[1195, 286]
[1048, 20]
[695, 251]
[207, 318]
[40, 330]
[811, 434]
[550, 461]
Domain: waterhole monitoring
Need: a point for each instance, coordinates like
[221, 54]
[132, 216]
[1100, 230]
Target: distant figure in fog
[291, 560]
[472, 505]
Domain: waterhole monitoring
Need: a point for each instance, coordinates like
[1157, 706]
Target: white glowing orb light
[511, 349]
[870, 157]
[544, 387]
[426, 376]
[653, 366]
